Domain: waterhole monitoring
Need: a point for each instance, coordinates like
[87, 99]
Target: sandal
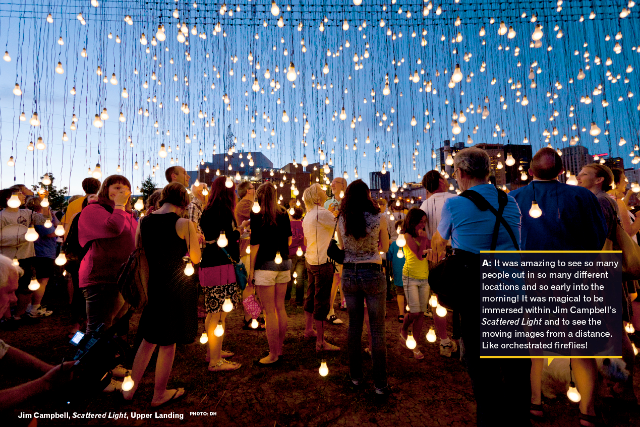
[418, 354]
[173, 398]
[590, 420]
[327, 347]
[224, 365]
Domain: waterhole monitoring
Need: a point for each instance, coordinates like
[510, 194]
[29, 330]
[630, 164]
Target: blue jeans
[358, 285]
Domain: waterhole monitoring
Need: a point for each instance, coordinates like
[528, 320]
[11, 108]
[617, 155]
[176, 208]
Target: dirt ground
[435, 391]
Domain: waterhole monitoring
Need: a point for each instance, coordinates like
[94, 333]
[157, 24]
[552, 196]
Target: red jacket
[113, 240]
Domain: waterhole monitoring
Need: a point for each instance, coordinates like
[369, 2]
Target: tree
[57, 197]
[147, 188]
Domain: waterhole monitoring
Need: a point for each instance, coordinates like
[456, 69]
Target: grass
[435, 391]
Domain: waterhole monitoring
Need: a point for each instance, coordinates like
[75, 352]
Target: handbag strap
[229, 256]
[336, 226]
[482, 204]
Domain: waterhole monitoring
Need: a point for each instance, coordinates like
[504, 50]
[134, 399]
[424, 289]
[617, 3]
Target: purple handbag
[252, 307]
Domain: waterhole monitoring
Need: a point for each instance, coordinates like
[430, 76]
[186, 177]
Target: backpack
[71, 246]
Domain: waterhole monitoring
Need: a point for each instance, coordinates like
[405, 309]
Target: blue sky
[32, 43]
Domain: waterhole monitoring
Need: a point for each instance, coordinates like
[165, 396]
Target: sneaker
[446, 350]
[40, 312]
[418, 355]
[333, 319]
[114, 385]
[428, 313]
[384, 391]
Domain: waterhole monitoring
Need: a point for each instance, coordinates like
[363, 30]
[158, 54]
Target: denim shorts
[416, 293]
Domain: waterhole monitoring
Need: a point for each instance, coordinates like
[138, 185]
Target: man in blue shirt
[500, 386]
[571, 220]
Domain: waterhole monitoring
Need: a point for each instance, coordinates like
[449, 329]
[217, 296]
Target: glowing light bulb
[229, 182]
[31, 235]
[510, 161]
[15, 262]
[299, 253]
[573, 394]
[595, 130]
[16, 90]
[324, 370]
[61, 259]
[188, 269]
[227, 306]
[34, 285]
[537, 33]
[275, 10]
[433, 301]
[139, 204]
[6, 57]
[441, 311]
[278, 258]
[256, 207]
[401, 241]
[222, 240]
[59, 230]
[411, 342]
[14, 202]
[572, 180]
[204, 338]
[629, 328]
[127, 383]
[254, 324]
[457, 74]
[431, 335]
[449, 160]
[400, 253]
[291, 74]
[535, 210]
[163, 151]
[219, 330]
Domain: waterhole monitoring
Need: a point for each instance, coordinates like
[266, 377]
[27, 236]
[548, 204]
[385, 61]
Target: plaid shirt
[194, 211]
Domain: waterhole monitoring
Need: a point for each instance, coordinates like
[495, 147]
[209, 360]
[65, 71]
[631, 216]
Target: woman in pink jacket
[108, 228]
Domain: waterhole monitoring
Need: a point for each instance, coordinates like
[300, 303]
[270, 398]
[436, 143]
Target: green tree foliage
[56, 196]
[147, 188]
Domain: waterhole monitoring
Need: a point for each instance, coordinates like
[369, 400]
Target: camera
[98, 353]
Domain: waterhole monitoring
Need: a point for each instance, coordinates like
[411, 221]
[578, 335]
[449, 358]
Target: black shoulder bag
[452, 277]
[335, 254]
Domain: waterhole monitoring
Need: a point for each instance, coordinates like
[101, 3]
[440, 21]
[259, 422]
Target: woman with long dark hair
[108, 227]
[217, 274]
[270, 265]
[363, 235]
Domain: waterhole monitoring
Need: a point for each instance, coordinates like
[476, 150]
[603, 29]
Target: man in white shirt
[437, 187]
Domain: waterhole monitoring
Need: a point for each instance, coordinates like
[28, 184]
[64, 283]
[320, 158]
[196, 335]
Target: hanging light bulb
[324, 370]
[15, 262]
[401, 241]
[31, 235]
[139, 204]
[441, 311]
[97, 173]
[16, 90]
[510, 161]
[291, 74]
[163, 151]
[278, 258]
[222, 240]
[275, 10]
[188, 269]
[227, 306]
[285, 117]
[219, 330]
[256, 207]
[573, 394]
[299, 253]
[595, 130]
[6, 57]
[457, 74]
[535, 210]
[45, 203]
[204, 338]
[61, 259]
[400, 253]
[11, 162]
[431, 335]
[449, 160]
[97, 122]
[14, 202]
[34, 285]
[35, 122]
[411, 342]
[59, 230]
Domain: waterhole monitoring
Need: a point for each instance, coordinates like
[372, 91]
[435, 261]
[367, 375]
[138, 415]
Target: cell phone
[77, 338]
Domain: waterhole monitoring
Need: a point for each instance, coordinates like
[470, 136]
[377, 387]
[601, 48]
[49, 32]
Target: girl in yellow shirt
[415, 274]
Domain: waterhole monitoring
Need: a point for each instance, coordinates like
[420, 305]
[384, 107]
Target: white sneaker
[120, 371]
[40, 312]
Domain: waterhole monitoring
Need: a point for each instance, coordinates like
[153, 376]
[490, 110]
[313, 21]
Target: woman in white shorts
[270, 266]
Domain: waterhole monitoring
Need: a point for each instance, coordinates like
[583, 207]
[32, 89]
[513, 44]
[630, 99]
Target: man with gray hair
[12, 358]
[501, 387]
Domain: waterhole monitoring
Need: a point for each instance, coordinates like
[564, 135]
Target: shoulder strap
[482, 204]
[336, 226]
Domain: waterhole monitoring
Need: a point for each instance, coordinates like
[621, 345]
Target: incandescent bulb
[61, 259]
[219, 330]
[222, 240]
[34, 285]
[324, 370]
[31, 235]
[535, 210]
[441, 311]
[188, 269]
[411, 342]
[204, 338]
[431, 335]
[227, 306]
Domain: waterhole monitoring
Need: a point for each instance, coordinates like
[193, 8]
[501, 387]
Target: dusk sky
[377, 51]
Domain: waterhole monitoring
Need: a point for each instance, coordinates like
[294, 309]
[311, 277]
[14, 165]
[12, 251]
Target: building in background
[443, 153]
[614, 163]
[574, 158]
[379, 181]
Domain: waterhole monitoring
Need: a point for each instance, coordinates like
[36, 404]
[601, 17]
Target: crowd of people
[194, 239]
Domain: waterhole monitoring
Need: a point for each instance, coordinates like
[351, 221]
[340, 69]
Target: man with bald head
[571, 220]
[338, 187]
